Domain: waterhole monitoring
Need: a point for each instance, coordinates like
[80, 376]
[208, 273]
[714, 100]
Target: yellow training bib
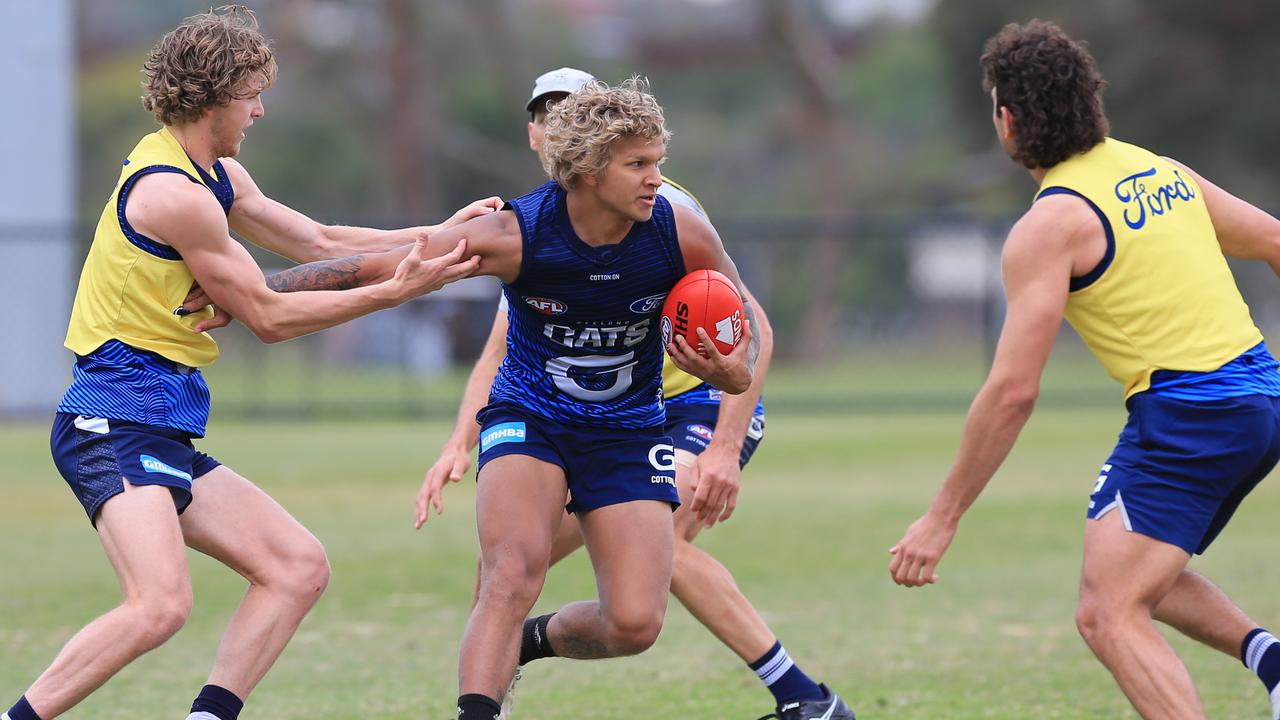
[1163, 297]
[131, 285]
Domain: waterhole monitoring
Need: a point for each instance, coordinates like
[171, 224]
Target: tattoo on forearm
[580, 648]
[753, 350]
[340, 274]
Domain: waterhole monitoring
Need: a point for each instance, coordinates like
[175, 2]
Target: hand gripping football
[706, 299]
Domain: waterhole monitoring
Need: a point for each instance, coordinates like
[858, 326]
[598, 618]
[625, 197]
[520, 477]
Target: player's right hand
[451, 466]
[918, 553]
[418, 274]
[730, 373]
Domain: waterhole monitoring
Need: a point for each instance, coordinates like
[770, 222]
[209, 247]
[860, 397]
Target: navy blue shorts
[692, 425]
[1182, 468]
[94, 454]
[602, 467]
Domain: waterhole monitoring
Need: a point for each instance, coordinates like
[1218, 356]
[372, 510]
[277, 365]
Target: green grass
[828, 493]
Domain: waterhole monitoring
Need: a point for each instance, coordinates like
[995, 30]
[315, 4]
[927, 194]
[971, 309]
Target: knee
[633, 633]
[311, 571]
[1089, 620]
[512, 580]
[1102, 620]
[159, 617]
[302, 571]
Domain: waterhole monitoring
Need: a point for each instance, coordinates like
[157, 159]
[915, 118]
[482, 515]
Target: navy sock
[784, 678]
[1260, 652]
[478, 707]
[218, 702]
[534, 643]
[21, 710]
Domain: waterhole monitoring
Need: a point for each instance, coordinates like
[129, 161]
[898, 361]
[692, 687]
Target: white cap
[564, 80]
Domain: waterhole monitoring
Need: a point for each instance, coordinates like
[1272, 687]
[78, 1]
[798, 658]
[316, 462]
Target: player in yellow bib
[1128, 247]
[714, 435]
[122, 436]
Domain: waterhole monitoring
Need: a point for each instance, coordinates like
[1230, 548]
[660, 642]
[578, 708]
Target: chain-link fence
[912, 320]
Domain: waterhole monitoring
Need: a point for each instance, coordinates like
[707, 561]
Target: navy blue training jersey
[121, 382]
[583, 346]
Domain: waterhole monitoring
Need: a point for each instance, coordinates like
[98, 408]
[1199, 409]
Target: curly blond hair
[582, 128]
[207, 61]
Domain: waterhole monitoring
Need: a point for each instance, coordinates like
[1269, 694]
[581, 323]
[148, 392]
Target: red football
[703, 299]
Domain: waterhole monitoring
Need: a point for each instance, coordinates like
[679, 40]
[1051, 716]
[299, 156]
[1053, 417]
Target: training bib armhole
[1089, 278]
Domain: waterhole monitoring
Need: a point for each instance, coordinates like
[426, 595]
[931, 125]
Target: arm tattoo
[753, 350]
[338, 274]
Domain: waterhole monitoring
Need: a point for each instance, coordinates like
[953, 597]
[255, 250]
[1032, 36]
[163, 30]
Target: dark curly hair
[207, 61]
[1051, 85]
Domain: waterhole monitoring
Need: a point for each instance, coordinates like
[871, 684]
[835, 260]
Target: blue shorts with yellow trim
[692, 425]
[602, 467]
[1181, 468]
[95, 455]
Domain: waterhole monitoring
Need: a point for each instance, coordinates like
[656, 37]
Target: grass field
[827, 494]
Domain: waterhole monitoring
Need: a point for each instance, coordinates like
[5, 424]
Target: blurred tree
[814, 68]
[404, 144]
[1189, 79]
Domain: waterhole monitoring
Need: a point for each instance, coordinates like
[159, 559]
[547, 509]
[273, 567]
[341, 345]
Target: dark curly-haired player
[1130, 247]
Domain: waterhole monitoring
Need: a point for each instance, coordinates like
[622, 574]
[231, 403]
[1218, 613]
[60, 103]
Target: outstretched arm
[282, 230]
[1243, 230]
[494, 240]
[175, 211]
[1037, 266]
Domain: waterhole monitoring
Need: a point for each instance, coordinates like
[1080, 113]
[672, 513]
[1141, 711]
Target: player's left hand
[473, 210]
[918, 553]
[451, 466]
[729, 373]
[715, 478]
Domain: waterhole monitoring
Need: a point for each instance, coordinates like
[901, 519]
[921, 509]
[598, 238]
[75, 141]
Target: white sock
[192, 716]
[4, 716]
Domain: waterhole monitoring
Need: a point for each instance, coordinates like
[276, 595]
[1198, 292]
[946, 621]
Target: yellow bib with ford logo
[1163, 297]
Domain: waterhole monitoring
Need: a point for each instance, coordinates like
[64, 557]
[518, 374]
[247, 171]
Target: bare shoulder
[1051, 234]
[690, 222]
[170, 208]
[699, 242]
[1056, 219]
[240, 179]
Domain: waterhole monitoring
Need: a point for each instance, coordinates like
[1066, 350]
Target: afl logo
[643, 306]
[665, 328]
[546, 306]
[701, 431]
